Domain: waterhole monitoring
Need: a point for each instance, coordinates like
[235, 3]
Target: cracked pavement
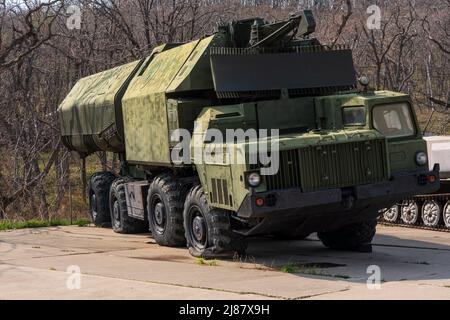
[414, 264]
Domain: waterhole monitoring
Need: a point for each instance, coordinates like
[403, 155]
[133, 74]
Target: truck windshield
[393, 120]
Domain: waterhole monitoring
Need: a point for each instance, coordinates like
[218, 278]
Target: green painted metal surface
[145, 102]
[335, 156]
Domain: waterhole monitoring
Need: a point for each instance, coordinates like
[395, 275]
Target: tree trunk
[83, 179]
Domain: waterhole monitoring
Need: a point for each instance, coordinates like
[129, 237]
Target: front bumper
[294, 202]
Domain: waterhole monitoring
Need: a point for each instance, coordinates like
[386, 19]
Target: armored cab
[334, 155]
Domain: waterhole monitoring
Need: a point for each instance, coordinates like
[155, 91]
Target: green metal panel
[196, 72]
[402, 154]
[145, 107]
[146, 130]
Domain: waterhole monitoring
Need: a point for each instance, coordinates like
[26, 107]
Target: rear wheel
[352, 237]
[165, 211]
[410, 212]
[208, 231]
[99, 186]
[431, 213]
[121, 221]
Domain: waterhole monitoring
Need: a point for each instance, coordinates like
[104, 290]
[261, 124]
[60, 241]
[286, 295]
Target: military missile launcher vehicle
[334, 155]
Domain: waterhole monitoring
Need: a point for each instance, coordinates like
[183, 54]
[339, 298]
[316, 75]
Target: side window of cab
[354, 116]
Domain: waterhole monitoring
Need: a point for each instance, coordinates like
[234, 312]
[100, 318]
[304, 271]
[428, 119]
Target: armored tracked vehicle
[431, 211]
[334, 155]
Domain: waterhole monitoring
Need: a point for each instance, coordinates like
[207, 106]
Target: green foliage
[204, 262]
[31, 224]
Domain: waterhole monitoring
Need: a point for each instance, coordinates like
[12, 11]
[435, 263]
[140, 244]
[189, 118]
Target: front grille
[331, 166]
[220, 192]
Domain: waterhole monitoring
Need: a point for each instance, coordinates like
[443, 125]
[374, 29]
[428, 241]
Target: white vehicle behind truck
[433, 210]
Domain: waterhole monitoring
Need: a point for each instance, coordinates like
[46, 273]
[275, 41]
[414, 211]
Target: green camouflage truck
[334, 155]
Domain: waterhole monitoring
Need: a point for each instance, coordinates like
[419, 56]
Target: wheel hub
[159, 214]
[116, 211]
[431, 214]
[198, 228]
[116, 215]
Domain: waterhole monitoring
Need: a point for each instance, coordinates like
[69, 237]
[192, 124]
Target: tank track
[381, 221]
[441, 199]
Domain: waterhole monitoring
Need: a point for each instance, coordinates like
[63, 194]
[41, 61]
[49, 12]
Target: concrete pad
[190, 274]
[408, 290]
[30, 283]
[414, 264]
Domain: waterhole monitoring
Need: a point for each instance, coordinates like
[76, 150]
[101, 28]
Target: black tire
[208, 230]
[120, 220]
[99, 186]
[351, 237]
[165, 211]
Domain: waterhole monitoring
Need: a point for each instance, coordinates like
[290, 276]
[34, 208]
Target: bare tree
[30, 25]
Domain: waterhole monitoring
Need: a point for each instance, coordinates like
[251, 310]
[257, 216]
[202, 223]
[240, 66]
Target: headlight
[364, 80]
[421, 158]
[254, 179]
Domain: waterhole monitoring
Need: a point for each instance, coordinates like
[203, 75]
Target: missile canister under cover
[91, 115]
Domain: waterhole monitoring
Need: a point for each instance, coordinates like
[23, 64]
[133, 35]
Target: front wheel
[208, 230]
[352, 237]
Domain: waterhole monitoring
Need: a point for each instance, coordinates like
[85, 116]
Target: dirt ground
[91, 263]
